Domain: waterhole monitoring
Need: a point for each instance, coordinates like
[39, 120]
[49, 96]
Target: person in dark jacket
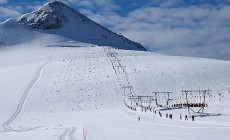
[193, 118]
[160, 113]
[186, 117]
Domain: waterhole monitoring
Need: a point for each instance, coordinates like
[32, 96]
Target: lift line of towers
[162, 100]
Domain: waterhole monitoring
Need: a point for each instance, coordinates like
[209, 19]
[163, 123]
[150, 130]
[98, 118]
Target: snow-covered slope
[59, 22]
[56, 84]
[55, 92]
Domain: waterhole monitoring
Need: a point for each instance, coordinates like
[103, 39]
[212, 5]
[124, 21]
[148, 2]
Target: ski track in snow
[67, 131]
[68, 134]
[6, 126]
[73, 131]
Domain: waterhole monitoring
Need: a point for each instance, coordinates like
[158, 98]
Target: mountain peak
[55, 2]
[54, 6]
[61, 20]
[49, 16]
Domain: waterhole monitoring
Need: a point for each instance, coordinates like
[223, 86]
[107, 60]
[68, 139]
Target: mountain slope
[56, 18]
[71, 90]
[55, 92]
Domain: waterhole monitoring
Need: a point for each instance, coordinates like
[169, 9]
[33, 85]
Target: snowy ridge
[62, 23]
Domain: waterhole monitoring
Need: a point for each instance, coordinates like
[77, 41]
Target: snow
[55, 83]
[59, 22]
[55, 92]
[17, 66]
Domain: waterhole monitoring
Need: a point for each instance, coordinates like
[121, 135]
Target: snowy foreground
[69, 91]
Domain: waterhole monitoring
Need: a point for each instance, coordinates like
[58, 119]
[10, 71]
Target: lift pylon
[203, 92]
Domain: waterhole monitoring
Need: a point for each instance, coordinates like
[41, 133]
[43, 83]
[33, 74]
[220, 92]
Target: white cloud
[192, 31]
[98, 6]
[12, 10]
[8, 12]
[165, 26]
[3, 1]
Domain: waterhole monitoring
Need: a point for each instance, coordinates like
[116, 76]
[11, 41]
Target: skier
[180, 116]
[193, 118]
[160, 113]
[139, 119]
[170, 116]
[186, 117]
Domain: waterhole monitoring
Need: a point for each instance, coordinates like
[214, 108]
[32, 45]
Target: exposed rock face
[49, 16]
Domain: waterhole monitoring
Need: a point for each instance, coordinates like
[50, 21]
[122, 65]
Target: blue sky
[199, 28]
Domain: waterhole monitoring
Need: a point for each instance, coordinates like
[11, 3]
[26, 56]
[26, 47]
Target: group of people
[143, 108]
[186, 117]
[170, 116]
[167, 115]
[189, 104]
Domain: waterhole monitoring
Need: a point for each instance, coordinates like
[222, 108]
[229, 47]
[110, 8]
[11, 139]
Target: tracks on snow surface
[6, 126]
[69, 134]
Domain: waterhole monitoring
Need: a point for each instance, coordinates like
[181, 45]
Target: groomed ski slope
[67, 89]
